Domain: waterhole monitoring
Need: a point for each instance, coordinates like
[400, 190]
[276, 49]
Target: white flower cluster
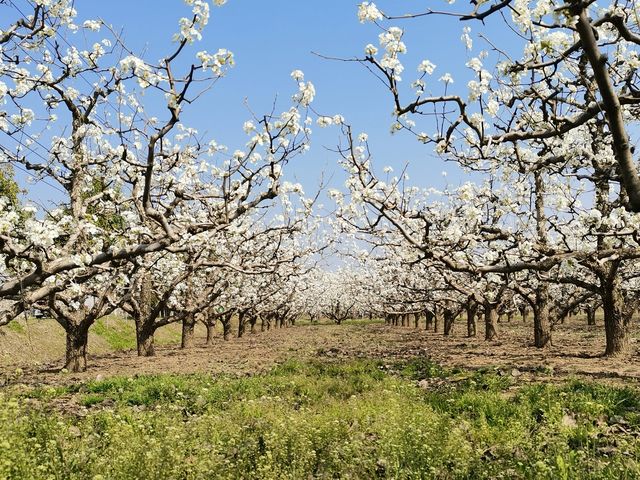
[145, 75]
[216, 62]
[306, 90]
[368, 12]
[391, 41]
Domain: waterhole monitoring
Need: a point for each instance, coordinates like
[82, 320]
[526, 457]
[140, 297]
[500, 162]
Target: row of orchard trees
[544, 124]
[149, 217]
[152, 218]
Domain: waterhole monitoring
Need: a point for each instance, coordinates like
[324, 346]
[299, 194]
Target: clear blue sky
[270, 39]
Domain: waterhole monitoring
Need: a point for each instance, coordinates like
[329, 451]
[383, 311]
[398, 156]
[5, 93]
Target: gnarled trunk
[252, 323]
[188, 332]
[226, 326]
[145, 339]
[211, 332]
[428, 321]
[472, 309]
[591, 315]
[241, 323]
[449, 319]
[76, 349]
[144, 316]
[541, 323]
[615, 320]
[490, 320]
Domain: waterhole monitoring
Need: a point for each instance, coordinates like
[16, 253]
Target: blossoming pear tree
[100, 129]
[560, 112]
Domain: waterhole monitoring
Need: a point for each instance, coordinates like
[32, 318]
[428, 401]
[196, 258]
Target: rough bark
[188, 332]
[211, 332]
[76, 349]
[241, 323]
[615, 320]
[449, 319]
[472, 309]
[541, 322]
[145, 339]
[490, 320]
[226, 326]
[428, 322]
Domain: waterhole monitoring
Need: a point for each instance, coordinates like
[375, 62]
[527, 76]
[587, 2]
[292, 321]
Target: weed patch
[322, 419]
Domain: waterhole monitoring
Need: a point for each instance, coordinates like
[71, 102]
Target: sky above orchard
[271, 38]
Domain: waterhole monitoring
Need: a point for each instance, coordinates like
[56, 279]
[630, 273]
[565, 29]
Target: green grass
[119, 333]
[17, 327]
[355, 419]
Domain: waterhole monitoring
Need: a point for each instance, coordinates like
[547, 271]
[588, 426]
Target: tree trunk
[211, 332]
[436, 322]
[416, 320]
[145, 318]
[524, 311]
[615, 321]
[76, 351]
[591, 316]
[449, 319]
[188, 332]
[226, 327]
[472, 309]
[252, 323]
[490, 320]
[541, 323]
[145, 339]
[428, 322]
[241, 324]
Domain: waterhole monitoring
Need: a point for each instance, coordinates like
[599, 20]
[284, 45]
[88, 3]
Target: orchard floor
[576, 351]
[360, 400]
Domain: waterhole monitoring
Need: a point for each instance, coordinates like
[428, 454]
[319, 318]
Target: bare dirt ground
[576, 351]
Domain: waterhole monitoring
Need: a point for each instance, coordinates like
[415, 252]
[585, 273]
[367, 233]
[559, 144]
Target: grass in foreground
[359, 419]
